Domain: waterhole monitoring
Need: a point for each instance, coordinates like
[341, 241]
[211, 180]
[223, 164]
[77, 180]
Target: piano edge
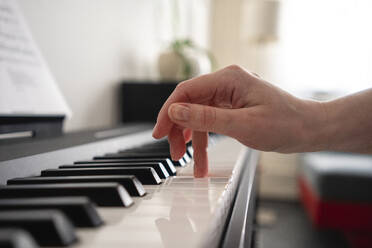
[233, 222]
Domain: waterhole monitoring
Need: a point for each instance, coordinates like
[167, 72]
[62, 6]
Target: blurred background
[315, 49]
[310, 48]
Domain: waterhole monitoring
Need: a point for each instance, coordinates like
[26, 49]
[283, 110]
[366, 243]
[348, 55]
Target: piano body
[176, 210]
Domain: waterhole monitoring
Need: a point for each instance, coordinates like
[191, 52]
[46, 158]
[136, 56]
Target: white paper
[26, 84]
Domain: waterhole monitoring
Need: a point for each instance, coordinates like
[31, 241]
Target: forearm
[347, 124]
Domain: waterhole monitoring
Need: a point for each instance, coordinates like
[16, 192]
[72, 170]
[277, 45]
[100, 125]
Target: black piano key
[158, 167]
[48, 227]
[139, 154]
[146, 175]
[167, 163]
[180, 162]
[158, 147]
[103, 194]
[130, 183]
[80, 210]
[186, 157]
[150, 154]
[16, 238]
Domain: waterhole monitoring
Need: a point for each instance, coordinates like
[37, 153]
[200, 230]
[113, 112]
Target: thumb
[203, 118]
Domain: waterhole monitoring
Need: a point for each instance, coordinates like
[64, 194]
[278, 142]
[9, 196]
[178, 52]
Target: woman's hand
[241, 105]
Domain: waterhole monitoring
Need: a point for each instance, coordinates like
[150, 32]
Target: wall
[91, 45]
[225, 33]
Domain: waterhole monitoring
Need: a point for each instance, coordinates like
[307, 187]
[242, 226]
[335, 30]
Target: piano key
[146, 175]
[157, 146]
[150, 154]
[180, 162]
[130, 183]
[167, 163]
[158, 167]
[103, 194]
[158, 150]
[16, 238]
[186, 157]
[190, 151]
[139, 154]
[80, 210]
[48, 227]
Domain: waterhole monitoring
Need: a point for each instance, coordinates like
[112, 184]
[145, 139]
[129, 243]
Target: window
[324, 46]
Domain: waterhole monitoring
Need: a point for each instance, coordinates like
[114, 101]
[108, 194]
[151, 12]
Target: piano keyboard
[126, 192]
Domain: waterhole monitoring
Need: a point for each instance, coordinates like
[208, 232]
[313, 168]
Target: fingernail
[154, 134]
[179, 112]
[155, 131]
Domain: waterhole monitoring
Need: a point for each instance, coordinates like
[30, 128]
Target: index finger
[196, 90]
[200, 145]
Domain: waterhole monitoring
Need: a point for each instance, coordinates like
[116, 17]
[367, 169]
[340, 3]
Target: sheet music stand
[17, 126]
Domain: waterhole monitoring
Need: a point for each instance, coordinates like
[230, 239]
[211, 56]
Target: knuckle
[234, 73]
[183, 91]
[208, 118]
[234, 68]
[181, 86]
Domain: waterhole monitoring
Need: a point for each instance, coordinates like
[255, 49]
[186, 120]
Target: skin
[239, 104]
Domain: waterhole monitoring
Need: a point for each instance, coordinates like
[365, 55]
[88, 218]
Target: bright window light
[325, 46]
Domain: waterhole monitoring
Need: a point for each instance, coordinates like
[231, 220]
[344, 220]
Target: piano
[119, 188]
[107, 188]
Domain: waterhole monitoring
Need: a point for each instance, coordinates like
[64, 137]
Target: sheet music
[26, 84]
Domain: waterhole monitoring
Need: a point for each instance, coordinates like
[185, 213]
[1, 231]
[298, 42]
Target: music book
[27, 87]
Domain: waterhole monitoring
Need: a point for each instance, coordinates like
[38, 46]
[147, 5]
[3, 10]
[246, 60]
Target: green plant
[180, 45]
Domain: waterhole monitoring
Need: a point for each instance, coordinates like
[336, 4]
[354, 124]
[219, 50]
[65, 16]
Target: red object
[353, 219]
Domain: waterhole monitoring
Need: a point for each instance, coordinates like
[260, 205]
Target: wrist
[316, 135]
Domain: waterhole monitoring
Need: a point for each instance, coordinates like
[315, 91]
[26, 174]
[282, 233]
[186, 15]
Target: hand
[239, 104]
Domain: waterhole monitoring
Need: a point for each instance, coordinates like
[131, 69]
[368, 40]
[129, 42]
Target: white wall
[90, 45]
[225, 33]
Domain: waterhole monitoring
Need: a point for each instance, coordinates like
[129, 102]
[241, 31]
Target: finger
[206, 118]
[187, 134]
[176, 143]
[195, 90]
[200, 144]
